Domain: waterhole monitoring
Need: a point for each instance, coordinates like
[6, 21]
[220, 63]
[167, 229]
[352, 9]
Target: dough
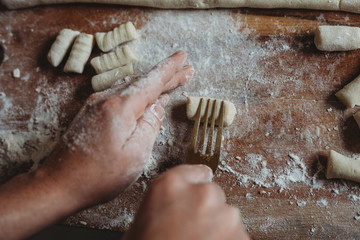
[346, 5]
[107, 79]
[123, 33]
[193, 104]
[80, 53]
[61, 46]
[120, 57]
[357, 118]
[350, 94]
[16, 73]
[337, 38]
[303, 4]
[339, 166]
[350, 6]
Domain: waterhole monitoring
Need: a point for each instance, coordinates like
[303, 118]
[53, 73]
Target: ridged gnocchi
[105, 80]
[123, 33]
[80, 53]
[117, 58]
[61, 46]
[194, 102]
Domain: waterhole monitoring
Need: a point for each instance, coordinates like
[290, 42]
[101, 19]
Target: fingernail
[180, 52]
[190, 68]
[208, 172]
[158, 111]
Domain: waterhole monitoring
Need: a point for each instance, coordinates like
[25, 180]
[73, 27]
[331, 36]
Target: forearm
[30, 202]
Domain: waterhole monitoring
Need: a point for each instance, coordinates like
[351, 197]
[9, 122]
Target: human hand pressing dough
[183, 204]
[111, 138]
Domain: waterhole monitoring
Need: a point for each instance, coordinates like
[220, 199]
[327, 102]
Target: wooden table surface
[283, 88]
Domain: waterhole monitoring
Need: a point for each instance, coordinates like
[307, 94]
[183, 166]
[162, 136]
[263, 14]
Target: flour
[42, 131]
[322, 203]
[212, 49]
[16, 73]
[213, 40]
[40, 138]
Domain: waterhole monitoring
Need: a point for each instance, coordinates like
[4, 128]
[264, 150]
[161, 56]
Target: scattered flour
[301, 203]
[16, 73]
[42, 131]
[255, 171]
[211, 50]
[322, 203]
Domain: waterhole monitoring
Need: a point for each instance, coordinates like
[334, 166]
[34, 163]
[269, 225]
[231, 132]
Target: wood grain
[269, 213]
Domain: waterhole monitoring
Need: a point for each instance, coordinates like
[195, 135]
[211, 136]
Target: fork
[210, 157]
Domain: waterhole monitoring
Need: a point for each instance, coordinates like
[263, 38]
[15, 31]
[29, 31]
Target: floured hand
[101, 154]
[107, 144]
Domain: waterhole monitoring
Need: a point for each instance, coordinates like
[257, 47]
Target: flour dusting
[270, 151]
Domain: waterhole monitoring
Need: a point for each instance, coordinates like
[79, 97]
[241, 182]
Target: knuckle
[92, 98]
[234, 225]
[168, 185]
[210, 195]
[111, 104]
[152, 121]
[169, 179]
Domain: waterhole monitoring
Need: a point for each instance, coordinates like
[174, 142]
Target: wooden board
[262, 60]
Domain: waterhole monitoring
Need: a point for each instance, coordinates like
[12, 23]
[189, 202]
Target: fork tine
[220, 129]
[206, 120]
[195, 130]
[211, 133]
[211, 157]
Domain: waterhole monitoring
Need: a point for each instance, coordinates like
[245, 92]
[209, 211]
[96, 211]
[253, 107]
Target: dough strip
[332, 5]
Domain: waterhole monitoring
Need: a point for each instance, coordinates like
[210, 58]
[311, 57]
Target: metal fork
[209, 158]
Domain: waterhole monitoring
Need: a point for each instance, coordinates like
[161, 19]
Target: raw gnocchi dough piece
[117, 58]
[80, 53]
[337, 38]
[357, 118]
[193, 104]
[124, 33]
[61, 46]
[350, 6]
[350, 94]
[303, 4]
[107, 79]
[176, 4]
[339, 166]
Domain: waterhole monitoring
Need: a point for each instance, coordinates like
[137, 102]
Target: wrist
[57, 175]
[55, 191]
[32, 201]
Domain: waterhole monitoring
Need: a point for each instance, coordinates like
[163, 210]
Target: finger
[143, 137]
[233, 215]
[147, 89]
[180, 78]
[194, 174]
[233, 221]
[210, 194]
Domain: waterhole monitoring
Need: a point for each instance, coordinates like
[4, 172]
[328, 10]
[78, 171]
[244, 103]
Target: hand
[111, 138]
[182, 204]
[103, 151]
